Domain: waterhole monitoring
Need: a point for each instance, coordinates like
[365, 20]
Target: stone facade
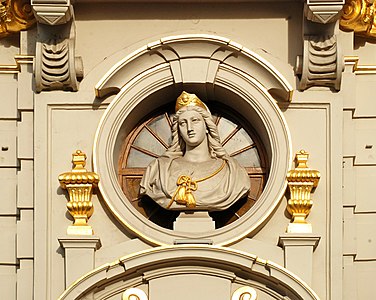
[89, 72]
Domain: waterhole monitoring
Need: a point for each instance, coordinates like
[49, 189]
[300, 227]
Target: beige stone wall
[359, 121]
[251, 24]
[337, 128]
[16, 174]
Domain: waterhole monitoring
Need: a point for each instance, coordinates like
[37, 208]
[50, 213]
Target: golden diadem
[186, 99]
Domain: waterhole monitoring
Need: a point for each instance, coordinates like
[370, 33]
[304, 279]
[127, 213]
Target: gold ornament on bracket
[359, 16]
[80, 185]
[15, 15]
[301, 181]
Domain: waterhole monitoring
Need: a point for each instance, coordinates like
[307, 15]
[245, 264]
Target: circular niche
[123, 127]
[134, 130]
[151, 138]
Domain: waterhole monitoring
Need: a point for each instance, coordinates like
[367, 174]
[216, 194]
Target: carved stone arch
[217, 70]
[184, 52]
[230, 267]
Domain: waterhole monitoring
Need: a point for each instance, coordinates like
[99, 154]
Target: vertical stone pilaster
[299, 253]
[25, 234]
[25, 133]
[79, 256]
[25, 279]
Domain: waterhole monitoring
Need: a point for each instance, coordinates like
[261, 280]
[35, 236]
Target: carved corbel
[323, 11]
[56, 67]
[322, 63]
[301, 181]
[15, 15]
[80, 184]
[360, 16]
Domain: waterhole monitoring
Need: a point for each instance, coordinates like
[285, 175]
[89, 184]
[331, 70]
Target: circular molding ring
[250, 98]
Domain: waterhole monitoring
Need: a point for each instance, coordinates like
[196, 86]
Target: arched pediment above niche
[219, 73]
[194, 59]
[183, 272]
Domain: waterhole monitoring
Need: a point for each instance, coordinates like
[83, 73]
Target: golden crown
[186, 99]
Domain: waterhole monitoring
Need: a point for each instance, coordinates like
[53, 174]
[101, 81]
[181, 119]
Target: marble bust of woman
[195, 173]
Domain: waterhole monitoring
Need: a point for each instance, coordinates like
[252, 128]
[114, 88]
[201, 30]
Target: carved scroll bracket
[80, 184]
[301, 181]
[322, 63]
[56, 66]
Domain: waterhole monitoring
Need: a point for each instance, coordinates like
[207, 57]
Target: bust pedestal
[194, 221]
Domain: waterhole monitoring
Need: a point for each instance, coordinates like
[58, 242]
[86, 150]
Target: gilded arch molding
[148, 81]
[233, 265]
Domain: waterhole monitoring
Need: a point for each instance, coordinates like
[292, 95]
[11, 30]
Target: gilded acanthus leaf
[15, 15]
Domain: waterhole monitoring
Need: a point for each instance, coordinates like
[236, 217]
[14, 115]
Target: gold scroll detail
[134, 294]
[244, 293]
[80, 184]
[359, 16]
[15, 15]
[301, 181]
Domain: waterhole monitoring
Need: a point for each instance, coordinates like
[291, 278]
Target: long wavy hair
[177, 146]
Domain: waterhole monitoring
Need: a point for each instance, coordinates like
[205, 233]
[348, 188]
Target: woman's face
[192, 128]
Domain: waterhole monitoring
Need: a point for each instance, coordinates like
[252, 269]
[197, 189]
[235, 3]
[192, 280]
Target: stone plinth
[198, 221]
[79, 256]
[299, 249]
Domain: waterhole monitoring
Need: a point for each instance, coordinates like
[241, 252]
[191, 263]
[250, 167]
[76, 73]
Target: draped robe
[218, 192]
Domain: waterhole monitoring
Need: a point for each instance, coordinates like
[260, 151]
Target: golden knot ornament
[183, 194]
